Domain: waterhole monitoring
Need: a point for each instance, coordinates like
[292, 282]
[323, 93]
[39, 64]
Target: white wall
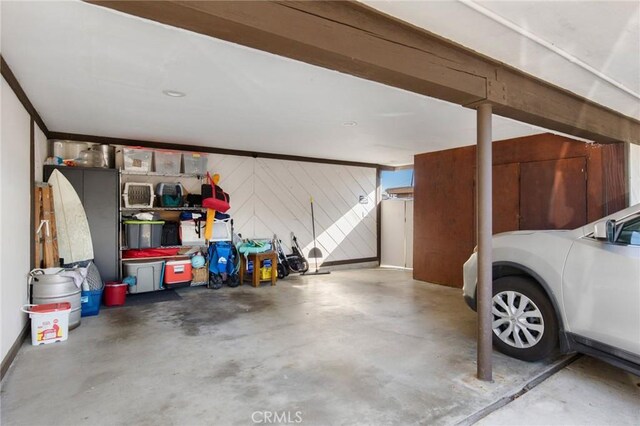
[39, 153]
[15, 209]
[345, 229]
[634, 174]
[271, 196]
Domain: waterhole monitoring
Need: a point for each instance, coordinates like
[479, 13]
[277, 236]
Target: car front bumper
[471, 301]
[470, 276]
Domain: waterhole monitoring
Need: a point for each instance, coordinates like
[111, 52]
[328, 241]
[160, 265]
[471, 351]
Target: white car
[578, 289]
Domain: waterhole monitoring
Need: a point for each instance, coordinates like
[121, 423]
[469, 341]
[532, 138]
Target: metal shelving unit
[180, 175]
[159, 209]
[177, 256]
[124, 210]
[123, 248]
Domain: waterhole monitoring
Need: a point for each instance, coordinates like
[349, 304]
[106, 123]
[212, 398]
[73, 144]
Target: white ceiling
[94, 71]
[603, 35]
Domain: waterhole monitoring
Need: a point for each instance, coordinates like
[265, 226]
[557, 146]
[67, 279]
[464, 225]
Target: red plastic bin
[115, 293]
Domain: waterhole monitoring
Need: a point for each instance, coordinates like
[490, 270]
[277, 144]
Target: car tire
[524, 322]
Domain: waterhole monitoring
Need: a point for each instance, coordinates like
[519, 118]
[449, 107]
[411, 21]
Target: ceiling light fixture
[349, 123]
[174, 93]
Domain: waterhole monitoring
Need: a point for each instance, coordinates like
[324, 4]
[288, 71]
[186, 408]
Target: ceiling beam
[209, 149]
[12, 81]
[354, 39]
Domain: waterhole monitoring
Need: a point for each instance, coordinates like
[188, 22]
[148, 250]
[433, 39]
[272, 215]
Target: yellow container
[265, 273]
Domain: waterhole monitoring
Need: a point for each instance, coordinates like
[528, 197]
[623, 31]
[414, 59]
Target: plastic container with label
[49, 322]
[194, 163]
[177, 273]
[137, 159]
[91, 302]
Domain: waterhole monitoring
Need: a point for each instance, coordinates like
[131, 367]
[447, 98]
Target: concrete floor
[354, 347]
[587, 392]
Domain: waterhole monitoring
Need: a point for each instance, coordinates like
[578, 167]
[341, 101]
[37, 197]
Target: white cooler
[192, 232]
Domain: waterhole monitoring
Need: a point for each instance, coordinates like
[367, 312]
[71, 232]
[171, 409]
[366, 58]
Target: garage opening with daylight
[323, 212]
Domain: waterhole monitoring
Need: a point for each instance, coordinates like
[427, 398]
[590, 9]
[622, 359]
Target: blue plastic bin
[90, 302]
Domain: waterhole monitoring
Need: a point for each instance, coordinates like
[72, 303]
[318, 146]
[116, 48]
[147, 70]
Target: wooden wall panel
[541, 147]
[614, 177]
[506, 197]
[607, 181]
[595, 192]
[443, 215]
[444, 221]
[553, 194]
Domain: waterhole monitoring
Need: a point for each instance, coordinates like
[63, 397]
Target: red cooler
[177, 273]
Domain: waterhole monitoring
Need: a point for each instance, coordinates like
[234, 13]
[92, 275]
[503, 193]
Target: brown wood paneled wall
[540, 181]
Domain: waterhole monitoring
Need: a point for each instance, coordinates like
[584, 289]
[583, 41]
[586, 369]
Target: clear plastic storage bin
[194, 163]
[167, 162]
[137, 159]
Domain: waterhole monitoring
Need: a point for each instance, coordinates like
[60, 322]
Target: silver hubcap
[517, 321]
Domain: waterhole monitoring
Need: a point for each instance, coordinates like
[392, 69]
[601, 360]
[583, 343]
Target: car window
[630, 233]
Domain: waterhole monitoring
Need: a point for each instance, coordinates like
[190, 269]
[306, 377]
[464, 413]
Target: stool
[257, 259]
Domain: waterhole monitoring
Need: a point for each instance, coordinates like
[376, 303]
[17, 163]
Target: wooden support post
[485, 248]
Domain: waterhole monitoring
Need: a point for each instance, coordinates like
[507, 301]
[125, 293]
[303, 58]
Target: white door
[392, 233]
[397, 233]
[408, 233]
[601, 290]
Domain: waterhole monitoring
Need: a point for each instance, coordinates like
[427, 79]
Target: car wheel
[524, 321]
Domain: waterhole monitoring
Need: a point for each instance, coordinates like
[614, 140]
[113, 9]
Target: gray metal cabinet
[99, 191]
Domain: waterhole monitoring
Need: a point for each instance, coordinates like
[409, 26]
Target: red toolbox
[177, 273]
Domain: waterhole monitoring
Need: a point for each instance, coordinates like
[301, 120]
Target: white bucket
[49, 323]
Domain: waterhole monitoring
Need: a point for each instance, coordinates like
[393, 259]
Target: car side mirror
[600, 230]
[605, 230]
[611, 230]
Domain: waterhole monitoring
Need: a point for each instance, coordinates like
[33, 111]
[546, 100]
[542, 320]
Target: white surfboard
[74, 237]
